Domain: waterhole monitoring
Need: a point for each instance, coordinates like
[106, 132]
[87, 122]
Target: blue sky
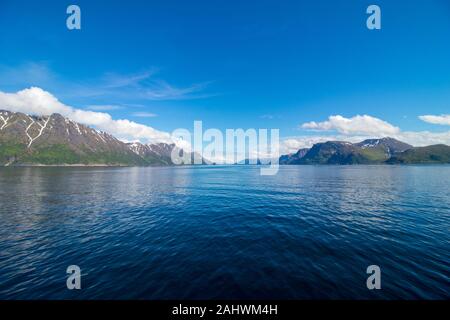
[235, 64]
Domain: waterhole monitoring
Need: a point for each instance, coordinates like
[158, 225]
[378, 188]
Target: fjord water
[205, 232]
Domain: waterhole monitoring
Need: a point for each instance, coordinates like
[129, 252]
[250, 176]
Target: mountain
[293, 158]
[249, 161]
[439, 153]
[55, 140]
[160, 152]
[152, 153]
[389, 146]
[371, 151]
[337, 152]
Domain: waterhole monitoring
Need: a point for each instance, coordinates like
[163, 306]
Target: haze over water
[225, 232]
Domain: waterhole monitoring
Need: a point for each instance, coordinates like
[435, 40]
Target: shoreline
[81, 165]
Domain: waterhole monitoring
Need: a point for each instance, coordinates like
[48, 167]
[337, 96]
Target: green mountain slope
[337, 152]
[55, 140]
[372, 151]
[432, 154]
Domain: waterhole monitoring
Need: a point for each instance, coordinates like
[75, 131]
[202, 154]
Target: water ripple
[225, 232]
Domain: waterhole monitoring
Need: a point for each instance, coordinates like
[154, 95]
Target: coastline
[103, 165]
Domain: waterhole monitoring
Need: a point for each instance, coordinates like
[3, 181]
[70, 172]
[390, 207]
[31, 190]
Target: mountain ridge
[371, 151]
[56, 140]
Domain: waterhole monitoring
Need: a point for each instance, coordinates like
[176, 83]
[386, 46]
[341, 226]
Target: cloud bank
[144, 85]
[365, 125]
[442, 119]
[144, 114]
[39, 102]
[361, 127]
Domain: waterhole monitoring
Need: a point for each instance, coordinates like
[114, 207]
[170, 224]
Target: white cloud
[161, 90]
[39, 102]
[113, 80]
[362, 125]
[423, 138]
[293, 144]
[144, 114]
[359, 128]
[103, 107]
[415, 138]
[443, 119]
[30, 73]
[144, 85]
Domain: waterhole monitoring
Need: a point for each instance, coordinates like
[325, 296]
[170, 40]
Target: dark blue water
[225, 232]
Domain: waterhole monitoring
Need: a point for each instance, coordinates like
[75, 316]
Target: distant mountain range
[372, 151]
[55, 140]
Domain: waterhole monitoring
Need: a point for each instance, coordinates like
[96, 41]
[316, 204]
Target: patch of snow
[371, 145]
[77, 127]
[41, 130]
[5, 122]
[101, 137]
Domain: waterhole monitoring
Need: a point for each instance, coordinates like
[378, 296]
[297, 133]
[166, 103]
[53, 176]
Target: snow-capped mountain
[55, 140]
[389, 145]
[371, 151]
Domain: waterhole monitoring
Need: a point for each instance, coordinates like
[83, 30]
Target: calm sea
[309, 232]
